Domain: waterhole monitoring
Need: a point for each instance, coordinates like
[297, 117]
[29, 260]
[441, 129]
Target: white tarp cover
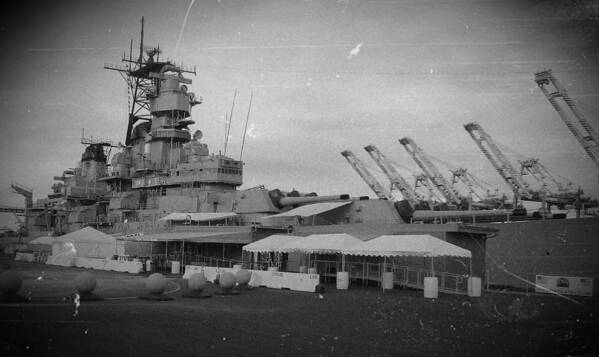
[423, 245]
[322, 243]
[42, 240]
[63, 254]
[196, 237]
[273, 243]
[197, 216]
[89, 243]
[311, 210]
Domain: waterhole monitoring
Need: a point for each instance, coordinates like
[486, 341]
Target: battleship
[164, 183]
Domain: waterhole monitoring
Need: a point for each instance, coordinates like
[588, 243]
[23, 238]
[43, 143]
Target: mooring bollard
[156, 284]
[226, 283]
[195, 285]
[243, 277]
[10, 283]
[85, 283]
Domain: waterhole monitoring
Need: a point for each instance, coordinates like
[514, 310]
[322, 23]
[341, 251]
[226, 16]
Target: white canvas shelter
[311, 209]
[275, 243]
[291, 217]
[322, 243]
[88, 243]
[423, 245]
[195, 237]
[198, 216]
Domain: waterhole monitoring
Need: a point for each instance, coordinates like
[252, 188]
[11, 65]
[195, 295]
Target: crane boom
[462, 175]
[27, 193]
[396, 179]
[378, 189]
[498, 160]
[450, 195]
[585, 134]
[421, 180]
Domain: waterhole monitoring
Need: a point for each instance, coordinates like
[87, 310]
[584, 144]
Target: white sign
[567, 285]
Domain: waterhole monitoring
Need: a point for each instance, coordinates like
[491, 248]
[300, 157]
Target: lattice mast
[372, 182]
[583, 132]
[498, 160]
[432, 173]
[143, 81]
[396, 179]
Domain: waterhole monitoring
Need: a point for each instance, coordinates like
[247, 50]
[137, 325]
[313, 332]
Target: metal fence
[361, 273]
[364, 273]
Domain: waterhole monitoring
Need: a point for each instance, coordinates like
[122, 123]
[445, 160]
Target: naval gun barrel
[288, 201]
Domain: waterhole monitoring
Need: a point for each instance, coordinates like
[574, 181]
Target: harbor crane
[573, 118]
[430, 171]
[487, 201]
[463, 176]
[372, 182]
[396, 179]
[27, 193]
[540, 173]
[421, 180]
[499, 161]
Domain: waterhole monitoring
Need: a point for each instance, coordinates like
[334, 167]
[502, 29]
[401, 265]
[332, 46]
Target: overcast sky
[326, 76]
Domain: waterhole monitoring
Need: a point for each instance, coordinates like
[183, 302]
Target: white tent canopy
[42, 240]
[89, 243]
[423, 245]
[322, 243]
[273, 243]
[197, 216]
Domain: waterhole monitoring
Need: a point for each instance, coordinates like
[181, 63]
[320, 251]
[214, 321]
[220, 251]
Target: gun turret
[280, 199]
[288, 201]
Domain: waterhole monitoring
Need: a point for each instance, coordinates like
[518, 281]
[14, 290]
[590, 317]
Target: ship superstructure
[163, 167]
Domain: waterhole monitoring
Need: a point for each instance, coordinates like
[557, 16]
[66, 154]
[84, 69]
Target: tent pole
[433, 266]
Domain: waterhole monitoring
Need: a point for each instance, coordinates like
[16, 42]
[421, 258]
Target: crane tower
[583, 132]
[378, 189]
[498, 160]
[396, 179]
[433, 174]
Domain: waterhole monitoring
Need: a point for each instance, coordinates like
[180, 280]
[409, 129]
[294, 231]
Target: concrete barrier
[388, 280]
[270, 279]
[175, 267]
[342, 280]
[474, 287]
[431, 287]
[123, 266]
[24, 257]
